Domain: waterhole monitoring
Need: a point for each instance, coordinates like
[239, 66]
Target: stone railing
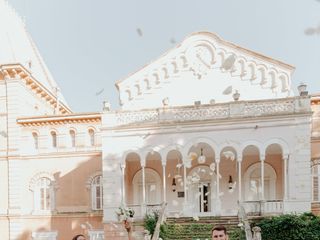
[208, 111]
[140, 210]
[259, 207]
[273, 206]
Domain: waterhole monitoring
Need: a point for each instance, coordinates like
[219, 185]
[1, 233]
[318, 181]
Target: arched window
[97, 193]
[91, 137]
[53, 139]
[43, 194]
[72, 138]
[35, 140]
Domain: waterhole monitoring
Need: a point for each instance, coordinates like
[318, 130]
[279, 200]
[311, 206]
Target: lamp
[302, 88]
[174, 185]
[230, 182]
[201, 158]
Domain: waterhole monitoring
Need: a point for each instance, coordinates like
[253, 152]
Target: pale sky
[90, 44]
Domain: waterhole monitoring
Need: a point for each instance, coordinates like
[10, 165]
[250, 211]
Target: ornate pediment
[203, 68]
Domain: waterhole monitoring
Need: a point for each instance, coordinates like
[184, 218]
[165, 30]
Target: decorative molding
[60, 120]
[244, 109]
[203, 52]
[17, 71]
[40, 175]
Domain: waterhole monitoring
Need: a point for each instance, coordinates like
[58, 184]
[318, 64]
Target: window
[315, 185]
[91, 137]
[72, 138]
[43, 194]
[97, 193]
[35, 140]
[53, 139]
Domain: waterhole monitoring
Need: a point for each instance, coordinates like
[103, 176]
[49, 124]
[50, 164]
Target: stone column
[239, 179]
[262, 159]
[218, 203]
[123, 183]
[164, 183]
[262, 200]
[143, 204]
[285, 176]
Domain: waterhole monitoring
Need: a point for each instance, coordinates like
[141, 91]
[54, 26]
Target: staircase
[188, 228]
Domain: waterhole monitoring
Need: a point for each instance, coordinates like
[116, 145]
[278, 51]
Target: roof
[17, 47]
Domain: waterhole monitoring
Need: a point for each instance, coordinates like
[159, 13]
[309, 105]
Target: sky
[90, 44]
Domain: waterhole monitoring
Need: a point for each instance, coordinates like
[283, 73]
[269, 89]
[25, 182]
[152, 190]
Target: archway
[152, 184]
[202, 189]
[252, 182]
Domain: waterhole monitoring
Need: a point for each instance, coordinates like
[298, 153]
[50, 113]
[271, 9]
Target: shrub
[289, 226]
[150, 222]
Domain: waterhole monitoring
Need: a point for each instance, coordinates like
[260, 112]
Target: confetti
[152, 187]
[175, 203]
[99, 92]
[212, 166]
[139, 31]
[229, 155]
[196, 218]
[227, 91]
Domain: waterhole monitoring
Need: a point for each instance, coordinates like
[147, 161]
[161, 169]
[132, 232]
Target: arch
[35, 136]
[283, 144]
[137, 89]
[92, 136]
[147, 84]
[175, 66]
[198, 178]
[285, 86]
[251, 143]
[165, 72]
[233, 145]
[53, 134]
[165, 151]
[253, 70]
[263, 72]
[157, 78]
[129, 94]
[269, 174]
[274, 83]
[126, 153]
[92, 177]
[220, 56]
[37, 177]
[152, 183]
[184, 62]
[197, 140]
[242, 62]
[72, 135]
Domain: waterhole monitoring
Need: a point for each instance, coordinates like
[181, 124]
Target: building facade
[205, 127]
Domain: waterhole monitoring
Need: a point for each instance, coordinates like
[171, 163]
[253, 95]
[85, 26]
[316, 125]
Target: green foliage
[237, 234]
[195, 231]
[293, 227]
[150, 221]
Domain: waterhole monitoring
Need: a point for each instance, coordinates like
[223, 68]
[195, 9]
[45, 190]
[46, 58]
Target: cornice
[60, 119]
[230, 111]
[17, 71]
[61, 154]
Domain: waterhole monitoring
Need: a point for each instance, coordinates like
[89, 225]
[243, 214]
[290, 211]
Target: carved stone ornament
[200, 60]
